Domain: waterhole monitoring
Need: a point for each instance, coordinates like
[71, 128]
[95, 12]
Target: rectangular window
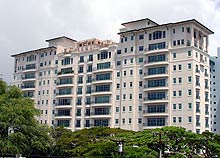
[189, 105]
[141, 37]
[180, 67]
[180, 80]
[174, 93]
[174, 55]
[140, 60]
[190, 119]
[174, 106]
[189, 66]
[141, 48]
[174, 80]
[180, 93]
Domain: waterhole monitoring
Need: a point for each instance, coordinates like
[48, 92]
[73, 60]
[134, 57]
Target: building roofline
[40, 49]
[176, 23]
[52, 39]
[139, 21]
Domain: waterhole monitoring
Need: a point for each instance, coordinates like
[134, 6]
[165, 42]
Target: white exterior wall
[130, 107]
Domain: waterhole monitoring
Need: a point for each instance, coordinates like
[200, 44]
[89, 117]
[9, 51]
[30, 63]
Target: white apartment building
[215, 91]
[157, 75]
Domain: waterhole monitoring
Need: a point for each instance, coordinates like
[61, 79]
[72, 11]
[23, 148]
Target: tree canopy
[20, 133]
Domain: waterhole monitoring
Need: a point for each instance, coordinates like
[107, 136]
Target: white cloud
[25, 24]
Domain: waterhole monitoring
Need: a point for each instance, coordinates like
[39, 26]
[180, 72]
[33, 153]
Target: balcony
[107, 92]
[62, 106]
[64, 84]
[63, 116]
[64, 95]
[159, 75]
[109, 69]
[100, 104]
[156, 88]
[100, 115]
[106, 80]
[158, 63]
[68, 73]
[30, 69]
[28, 78]
[28, 88]
[155, 100]
[147, 113]
[156, 50]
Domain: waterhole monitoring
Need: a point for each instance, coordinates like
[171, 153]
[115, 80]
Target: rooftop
[64, 37]
[167, 24]
[35, 50]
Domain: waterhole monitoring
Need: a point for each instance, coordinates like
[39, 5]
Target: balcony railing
[100, 113]
[65, 72]
[26, 87]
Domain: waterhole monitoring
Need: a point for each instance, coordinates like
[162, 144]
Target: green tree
[18, 127]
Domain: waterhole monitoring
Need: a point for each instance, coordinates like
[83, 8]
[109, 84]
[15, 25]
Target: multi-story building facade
[71, 82]
[157, 75]
[163, 72]
[215, 91]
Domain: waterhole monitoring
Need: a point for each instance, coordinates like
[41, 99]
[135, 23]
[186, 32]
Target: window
[139, 108]
[124, 96]
[180, 67]
[180, 93]
[189, 79]
[141, 37]
[117, 97]
[132, 37]
[140, 96]
[182, 29]
[132, 49]
[182, 41]
[124, 84]
[189, 105]
[180, 80]
[117, 109]
[140, 83]
[123, 120]
[189, 92]
[131, 83]
[141, 48]
[126, 50]
[140, 60]
[140, 71]
[125, 73]
[174, 93]
[189, 66]
[131, 72]
[125, 61]
[126, 39]
[180, 106]
[123, 108]
[174, 119]
[118, 63]
[156, 46]
[130, 108]
[118, 51]
[174, 80]
[180, 119]
[174, 106]
[118, 74]
[139, 120]
[189, 54]
[174, 31]
[131, 60]
[130, 96]
[129, 120]
[174, 55]
[116, 121]
[174, 67]
[174, 43]
[118, 86]
[190, 119]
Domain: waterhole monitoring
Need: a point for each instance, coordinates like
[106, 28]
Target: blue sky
[25, 24]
